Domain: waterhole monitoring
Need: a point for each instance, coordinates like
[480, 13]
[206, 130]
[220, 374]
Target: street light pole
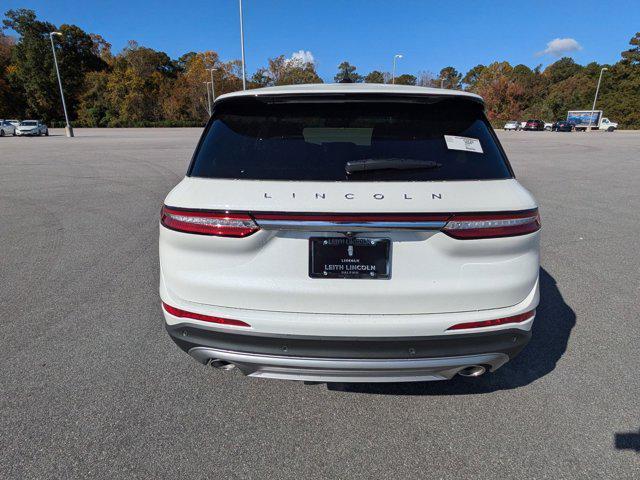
[208, 97]
[393, 74]
[213, 90]
[68, 130]
[244, 75]
[596, 96]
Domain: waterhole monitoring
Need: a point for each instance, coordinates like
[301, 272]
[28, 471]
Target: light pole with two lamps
[596, 96]
[68, 130]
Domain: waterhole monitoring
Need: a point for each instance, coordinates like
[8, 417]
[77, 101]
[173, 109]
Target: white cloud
[560, 46]
[302, 57]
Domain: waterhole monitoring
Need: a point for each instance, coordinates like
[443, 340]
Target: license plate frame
[368, 258]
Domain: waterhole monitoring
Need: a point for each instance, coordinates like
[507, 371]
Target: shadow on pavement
[551, 330]
[628, 441]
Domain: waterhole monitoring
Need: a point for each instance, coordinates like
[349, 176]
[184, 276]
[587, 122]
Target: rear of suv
[534, 125]
[350, 232]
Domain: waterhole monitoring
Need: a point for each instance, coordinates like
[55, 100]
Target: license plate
[350, 258]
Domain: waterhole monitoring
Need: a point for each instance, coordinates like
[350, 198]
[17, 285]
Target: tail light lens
[492, 323]
[176, 312]
[492, 225]
[222, 224]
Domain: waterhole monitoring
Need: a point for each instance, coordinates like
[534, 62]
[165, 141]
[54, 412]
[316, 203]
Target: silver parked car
[7, 128]
[512, 125]
[32, 127]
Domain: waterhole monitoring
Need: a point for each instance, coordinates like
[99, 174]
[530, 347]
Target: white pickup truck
[583, 119]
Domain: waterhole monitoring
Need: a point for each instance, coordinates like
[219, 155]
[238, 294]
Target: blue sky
[430, 34]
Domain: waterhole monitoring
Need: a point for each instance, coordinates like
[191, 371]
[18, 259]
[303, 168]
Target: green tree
[34, 70]
[562, 69]
[12, 100]
[94, 109]
[471, 78]
[346, 71]
[375, 77]
[620, 94]
[451, 78]
[405, 79]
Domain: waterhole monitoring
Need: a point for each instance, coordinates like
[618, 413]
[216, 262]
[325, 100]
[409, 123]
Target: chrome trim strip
[348, 370]
[346, 226]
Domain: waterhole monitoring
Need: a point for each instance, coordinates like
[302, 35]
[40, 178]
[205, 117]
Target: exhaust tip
[472, 371]
[220, 364]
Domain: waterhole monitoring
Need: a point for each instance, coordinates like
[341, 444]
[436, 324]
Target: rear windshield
[257, 139]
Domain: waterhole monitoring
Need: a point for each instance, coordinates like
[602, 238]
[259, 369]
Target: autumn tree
[632, 55]
[101, 48]
[188, 97]
[501, 93]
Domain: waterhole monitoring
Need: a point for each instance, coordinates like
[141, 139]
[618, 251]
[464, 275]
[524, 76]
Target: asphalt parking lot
[92, 386]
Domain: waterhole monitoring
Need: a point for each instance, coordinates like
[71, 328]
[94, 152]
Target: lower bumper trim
[348, 370]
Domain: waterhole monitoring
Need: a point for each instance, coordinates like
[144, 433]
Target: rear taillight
[523, 317]
[222, 224]
[492, 225]
[177, 312]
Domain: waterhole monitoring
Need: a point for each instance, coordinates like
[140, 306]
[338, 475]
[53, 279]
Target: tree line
[141, 86]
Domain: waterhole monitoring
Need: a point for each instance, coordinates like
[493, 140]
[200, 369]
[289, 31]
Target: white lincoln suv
[350, 233]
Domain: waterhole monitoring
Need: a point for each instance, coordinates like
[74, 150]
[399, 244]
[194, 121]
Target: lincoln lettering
[353, 196]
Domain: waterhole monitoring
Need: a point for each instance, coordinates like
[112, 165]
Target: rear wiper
[367, 164]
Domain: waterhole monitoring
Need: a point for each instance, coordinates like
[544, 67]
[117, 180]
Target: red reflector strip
[492, 323]
[492, 225]
[222, 224]
[176, 312]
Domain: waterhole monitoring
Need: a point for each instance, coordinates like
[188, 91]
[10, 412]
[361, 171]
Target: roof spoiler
[354, 97]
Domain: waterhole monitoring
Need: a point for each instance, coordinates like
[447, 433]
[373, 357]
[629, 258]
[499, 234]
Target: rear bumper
[350, 359]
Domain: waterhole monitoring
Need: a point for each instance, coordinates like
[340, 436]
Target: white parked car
[32, 127]
[350, 232]
[512, 125]
[7, 128]
[548, 126]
